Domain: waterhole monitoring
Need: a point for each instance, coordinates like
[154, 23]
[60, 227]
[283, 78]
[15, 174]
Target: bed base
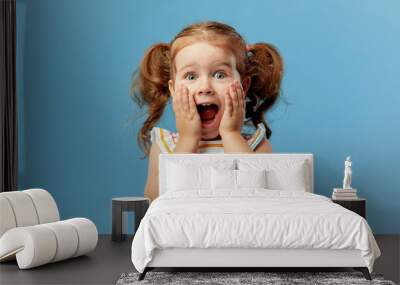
[250, 259]
[364, 270]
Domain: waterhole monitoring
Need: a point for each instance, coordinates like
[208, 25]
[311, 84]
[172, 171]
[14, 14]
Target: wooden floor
[111, 259]
[103, 266]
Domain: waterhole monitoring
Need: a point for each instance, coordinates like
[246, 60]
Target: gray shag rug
[229, 278]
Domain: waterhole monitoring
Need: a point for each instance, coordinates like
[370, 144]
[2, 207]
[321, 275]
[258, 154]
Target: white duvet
[251, 218]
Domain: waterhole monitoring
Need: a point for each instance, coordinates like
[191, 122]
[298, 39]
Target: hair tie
[248, 52]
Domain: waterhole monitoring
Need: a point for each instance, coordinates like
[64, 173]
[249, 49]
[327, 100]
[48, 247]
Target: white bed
[202, 220]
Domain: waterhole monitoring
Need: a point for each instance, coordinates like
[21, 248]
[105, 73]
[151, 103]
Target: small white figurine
[347, 174]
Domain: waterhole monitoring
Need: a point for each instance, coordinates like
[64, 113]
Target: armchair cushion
[45, 243]
[30, 230]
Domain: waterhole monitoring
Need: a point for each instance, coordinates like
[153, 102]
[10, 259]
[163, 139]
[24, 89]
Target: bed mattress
[250, 219]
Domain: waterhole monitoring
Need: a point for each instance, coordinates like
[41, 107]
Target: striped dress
[167, 140]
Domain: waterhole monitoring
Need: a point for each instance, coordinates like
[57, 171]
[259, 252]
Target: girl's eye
[220, 75]
[190, 76]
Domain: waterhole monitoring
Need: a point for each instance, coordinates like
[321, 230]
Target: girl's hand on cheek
[188, 122]
[233, 117]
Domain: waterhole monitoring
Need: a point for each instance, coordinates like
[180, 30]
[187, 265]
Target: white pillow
[281, 174]
[251, 178]
[229, 179]
[223, 179]
[188, 175]
[289, 179]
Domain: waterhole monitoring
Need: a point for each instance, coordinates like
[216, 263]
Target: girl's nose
[205, 91]
[205, 88]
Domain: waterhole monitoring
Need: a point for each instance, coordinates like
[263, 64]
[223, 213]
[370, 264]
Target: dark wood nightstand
[357, 205]
[120, 207]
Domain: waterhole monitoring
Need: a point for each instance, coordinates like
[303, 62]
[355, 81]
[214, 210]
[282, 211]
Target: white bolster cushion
[33, 246]
[26, 208]
[7, 219]
[23, 208]
[87, 233]
[46, 207]
[67, 240]
[40, 244]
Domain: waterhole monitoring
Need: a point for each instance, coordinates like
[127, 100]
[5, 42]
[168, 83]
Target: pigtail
[265, 68]
[150, 87]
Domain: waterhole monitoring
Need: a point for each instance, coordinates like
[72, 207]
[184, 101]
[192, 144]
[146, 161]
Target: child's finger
[241, 97]
[181, 101]
[228, 103]
[177, 101]
[174, 103]
[234, 98]
[185, 100]
[192, 106]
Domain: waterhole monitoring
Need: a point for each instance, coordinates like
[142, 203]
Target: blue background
[78, 125]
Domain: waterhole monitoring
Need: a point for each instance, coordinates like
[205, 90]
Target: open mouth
[208, 112]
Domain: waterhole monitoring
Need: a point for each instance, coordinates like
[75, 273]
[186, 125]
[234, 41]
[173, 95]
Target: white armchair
[31, 230]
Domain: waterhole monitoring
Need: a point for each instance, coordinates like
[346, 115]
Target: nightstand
[120, 207]
[357, 205]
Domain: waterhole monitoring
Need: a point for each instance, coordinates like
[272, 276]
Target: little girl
[217, 83]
